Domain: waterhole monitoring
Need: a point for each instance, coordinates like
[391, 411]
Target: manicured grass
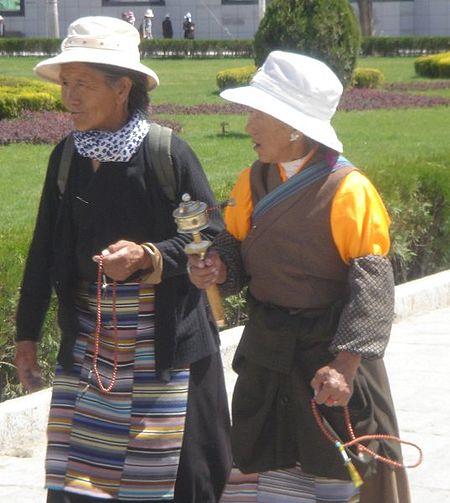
[395, 147]
[393, 69]
[182, 81]
[186, 81]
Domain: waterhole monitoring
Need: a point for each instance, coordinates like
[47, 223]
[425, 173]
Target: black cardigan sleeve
[36, 287]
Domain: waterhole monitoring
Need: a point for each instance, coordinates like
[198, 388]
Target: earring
[294, 136]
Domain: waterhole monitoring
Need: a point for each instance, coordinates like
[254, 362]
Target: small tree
[323, 29]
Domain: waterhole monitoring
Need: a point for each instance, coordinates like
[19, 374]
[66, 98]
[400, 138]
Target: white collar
[291, 167]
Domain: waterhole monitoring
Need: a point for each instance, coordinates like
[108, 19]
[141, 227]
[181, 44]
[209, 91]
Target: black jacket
[184, 329]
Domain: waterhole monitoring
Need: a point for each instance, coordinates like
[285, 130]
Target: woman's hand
[207, 272]
[333, 383]
[122, 259]
[28, 370]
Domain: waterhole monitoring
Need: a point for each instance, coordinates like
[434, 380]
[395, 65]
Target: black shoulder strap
[159, 140]
[64, 164]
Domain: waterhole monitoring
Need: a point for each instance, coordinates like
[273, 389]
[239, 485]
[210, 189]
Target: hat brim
[316, 129]
[49, 69]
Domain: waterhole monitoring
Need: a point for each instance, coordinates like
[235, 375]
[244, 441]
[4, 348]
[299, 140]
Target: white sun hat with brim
[98, 39]
[297, 90]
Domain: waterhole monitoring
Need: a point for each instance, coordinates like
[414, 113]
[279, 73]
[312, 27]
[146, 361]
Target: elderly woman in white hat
[309, 236]
[139, 409]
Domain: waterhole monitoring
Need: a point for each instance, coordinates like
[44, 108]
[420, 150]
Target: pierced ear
[295, 135]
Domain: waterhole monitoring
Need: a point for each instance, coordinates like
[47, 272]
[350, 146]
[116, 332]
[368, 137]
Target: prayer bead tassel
[353, 472]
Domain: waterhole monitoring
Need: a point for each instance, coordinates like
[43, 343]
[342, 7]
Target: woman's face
[271, 139]
[92, 101]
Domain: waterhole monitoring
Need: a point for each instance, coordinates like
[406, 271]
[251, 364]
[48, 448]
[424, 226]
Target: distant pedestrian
[129, 17]
[146, 27]
[167, 28]
[188, 26]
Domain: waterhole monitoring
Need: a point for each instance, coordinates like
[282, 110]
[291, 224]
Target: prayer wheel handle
[191, 217]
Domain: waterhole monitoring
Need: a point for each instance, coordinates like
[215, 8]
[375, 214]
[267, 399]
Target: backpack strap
[64, 164]
[159, 139]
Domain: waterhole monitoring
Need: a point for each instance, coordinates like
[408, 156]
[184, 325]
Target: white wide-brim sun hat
[295, 89]
[98, 39]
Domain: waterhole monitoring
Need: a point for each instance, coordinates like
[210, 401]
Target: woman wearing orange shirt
[309, 236]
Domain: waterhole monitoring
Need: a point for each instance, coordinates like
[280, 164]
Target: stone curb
[422, 295]
[23, 420]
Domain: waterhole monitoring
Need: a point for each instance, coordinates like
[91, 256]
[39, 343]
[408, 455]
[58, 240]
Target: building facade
[421, 18]
[214, 19]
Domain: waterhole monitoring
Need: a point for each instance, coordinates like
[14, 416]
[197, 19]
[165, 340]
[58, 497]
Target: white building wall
[432, 17]
[216, 21]
[212, 19]
[410, 17]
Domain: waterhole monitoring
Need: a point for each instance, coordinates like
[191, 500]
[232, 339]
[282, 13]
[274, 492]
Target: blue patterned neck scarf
[117, 146]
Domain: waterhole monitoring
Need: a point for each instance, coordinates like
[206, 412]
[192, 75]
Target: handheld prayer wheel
[191, 217]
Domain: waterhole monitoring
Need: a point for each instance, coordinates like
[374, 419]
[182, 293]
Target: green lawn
[400, 149]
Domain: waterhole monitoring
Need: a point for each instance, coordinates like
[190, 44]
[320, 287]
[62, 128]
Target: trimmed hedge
[235, 77]
[175, 48]
[367, 78]
[156, 48]
[362, 78]
[436, 66]
[29, 46]
[180, 48]
[404, 46]
[18, 94]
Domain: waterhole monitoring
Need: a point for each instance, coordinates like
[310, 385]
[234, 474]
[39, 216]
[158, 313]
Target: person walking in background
[309, 236]
[167, 28]
[188, 26]
[139, 409]
[146, 27]
[129, 17]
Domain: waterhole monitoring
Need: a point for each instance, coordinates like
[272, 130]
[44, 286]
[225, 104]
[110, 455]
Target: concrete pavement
[417, 362]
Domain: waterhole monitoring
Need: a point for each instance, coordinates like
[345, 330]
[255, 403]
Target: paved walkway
[417, 359]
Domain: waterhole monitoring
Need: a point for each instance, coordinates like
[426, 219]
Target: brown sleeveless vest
[290, 254]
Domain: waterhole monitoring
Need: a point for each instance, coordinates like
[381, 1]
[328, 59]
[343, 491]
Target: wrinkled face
[271, 138]
[93, 102]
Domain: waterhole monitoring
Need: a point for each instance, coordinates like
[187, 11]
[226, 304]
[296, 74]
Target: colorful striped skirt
[287, 486]
[124, 444]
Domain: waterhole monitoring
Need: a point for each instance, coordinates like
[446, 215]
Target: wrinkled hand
[207, 272]
[333, 383]
[28, 370]
[122, 259]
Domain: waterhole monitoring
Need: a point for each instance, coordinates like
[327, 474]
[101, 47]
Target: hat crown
[102, 33]
[99, 40]
[300, 81]
[297, 90]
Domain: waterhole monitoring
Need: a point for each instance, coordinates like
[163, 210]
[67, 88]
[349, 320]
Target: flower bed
[51, 127]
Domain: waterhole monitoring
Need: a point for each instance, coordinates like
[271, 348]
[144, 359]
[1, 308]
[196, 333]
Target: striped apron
[124, 444]
[287, 486]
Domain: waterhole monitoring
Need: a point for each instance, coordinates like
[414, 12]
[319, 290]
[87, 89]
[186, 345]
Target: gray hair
[138, 99]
